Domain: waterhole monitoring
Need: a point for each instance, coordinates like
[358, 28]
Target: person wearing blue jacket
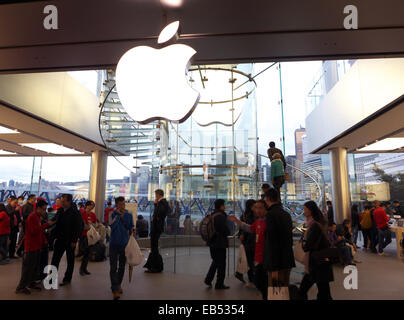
[121, 223]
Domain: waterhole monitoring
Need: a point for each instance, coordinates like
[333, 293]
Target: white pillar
[98, 180]
[340, 186]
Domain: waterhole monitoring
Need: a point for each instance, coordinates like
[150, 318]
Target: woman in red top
[4, 234]
[89, 218]
[33, 243]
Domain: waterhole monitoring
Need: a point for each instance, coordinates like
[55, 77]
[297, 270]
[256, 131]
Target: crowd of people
[32, 228]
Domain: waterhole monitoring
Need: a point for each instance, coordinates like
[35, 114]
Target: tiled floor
[379, 278]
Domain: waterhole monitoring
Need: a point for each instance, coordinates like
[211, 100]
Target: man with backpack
[162, 209]
[217, 241]
[366, 222]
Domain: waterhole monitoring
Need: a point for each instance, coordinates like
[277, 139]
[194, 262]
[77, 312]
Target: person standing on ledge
[162, 209]
[121, 223]
[272, 150]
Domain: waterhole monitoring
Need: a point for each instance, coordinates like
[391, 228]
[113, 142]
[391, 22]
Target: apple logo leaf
[168, 32]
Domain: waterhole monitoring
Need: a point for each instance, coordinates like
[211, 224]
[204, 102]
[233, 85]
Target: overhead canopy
[95, 33]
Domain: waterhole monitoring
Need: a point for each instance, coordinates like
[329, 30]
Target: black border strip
[10, 106]
[363, 122]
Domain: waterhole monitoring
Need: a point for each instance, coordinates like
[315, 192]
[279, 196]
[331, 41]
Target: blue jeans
[117, 261]
[384, 238]
[3, 246]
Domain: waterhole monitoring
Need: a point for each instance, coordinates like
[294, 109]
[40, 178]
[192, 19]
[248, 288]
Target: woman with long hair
[318, 271]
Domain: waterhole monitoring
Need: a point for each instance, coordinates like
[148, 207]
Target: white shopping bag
[278, 293]
[299, 252]
[133, 254]
[93, 236]
[242, 265]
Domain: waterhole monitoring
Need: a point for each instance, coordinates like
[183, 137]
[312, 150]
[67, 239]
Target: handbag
[242, 265]
[298, 252]
[92, 236]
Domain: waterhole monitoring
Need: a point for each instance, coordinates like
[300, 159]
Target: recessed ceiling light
[4, 130]
[387, 144]
[6, 153]
[51, 148]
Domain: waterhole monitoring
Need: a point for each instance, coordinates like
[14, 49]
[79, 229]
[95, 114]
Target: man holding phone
[122, 227]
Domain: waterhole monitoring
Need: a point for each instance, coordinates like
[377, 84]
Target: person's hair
[265, 186]
[345, 222]
[40, 203]
[249, 204]
[272, 195]
[89, 203]
[31, 196]
[21, 197]
[119, 199]
[276, 156]
[396, 201]
[159, 192]
[262, 202]
[109, 203]
[330, 224]
[272, 144]
[383, 204]
[140, 217]
[68, 197]
[316, 213]
[12, 198]
[57, 198]
[2, 207]
[219, 203]
[329, 202]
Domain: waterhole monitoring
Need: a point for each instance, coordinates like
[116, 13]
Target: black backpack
[207, 227]
[97, 252]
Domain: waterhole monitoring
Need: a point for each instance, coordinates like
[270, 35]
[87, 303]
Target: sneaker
[384, 254]
[239, 276]
[221, 287]
[24, 291]
[209, 284]
[117, 296]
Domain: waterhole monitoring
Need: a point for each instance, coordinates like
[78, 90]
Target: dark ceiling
[95, 33]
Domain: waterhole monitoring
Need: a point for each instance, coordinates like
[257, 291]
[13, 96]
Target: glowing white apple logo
[152, 84]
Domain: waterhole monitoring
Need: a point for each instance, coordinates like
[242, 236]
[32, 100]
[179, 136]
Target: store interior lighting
[51, 148]
[6, 153]
[4, 130]
[388, 144]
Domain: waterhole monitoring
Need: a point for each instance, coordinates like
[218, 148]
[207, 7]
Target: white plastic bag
[242, 265]
[298, 252]
[133, 254]
[93, 236]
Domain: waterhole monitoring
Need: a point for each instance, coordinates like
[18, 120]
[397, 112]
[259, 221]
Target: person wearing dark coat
[248, 241]
[330, 212]
[162, 209]
[316, 239]
[278, 249]
[272, 150]
[69, 226]
[217, 246]
[355, 222]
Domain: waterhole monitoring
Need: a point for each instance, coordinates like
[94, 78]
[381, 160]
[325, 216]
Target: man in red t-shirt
[107, 211]
[381, 220]
[259, 228]
[34, 238]
[57, 204]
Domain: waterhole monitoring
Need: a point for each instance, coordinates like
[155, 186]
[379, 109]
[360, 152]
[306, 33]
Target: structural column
[340, 186]
[98, 180]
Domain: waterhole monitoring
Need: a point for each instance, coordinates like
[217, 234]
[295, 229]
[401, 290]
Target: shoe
[356, 261]
[64, 283]
[384, 254]
[209, 284]
[24, 291]
[120, 290]
[222, 287]
[250, 285]
[35, 287]
[239, 276]
[116, 295]
[87, 272]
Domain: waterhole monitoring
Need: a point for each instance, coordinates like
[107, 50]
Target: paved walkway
[379, 278]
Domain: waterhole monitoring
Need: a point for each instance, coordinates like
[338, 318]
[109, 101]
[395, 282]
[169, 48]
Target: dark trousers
[154, 262]
[278, 183]
[13, 242]
[59, 249]
[384, 238]
[43, 262]
[117, 261]
[261, 281]
[322, 286]
[374, 239]
[366, 237]
[249, 252]
[29, 270]
[218, 264]
[86, 253]
[3, 246]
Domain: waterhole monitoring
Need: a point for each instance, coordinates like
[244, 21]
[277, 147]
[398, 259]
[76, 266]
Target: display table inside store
[399, 235]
